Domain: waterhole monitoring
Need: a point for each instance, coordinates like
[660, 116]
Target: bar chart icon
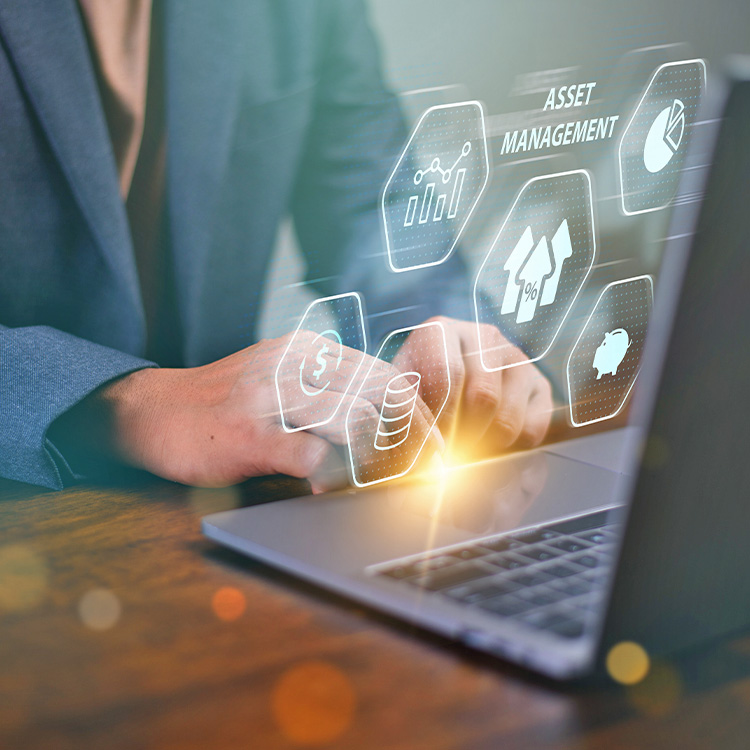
[455, 186]
[397, 413]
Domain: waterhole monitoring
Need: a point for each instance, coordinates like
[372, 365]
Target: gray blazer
[273, 107]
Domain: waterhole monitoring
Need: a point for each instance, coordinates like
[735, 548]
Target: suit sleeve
[43, 373]
[354, 139]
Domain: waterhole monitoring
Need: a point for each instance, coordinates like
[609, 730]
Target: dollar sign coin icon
[321, 362]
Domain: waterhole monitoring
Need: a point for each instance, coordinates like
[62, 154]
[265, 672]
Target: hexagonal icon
[606, 359]
[654, 144]
[435, 186]
[321, 361]
[403, 394]
[535, 268]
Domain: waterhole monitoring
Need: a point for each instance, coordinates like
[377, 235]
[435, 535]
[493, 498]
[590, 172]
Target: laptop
[551, 558]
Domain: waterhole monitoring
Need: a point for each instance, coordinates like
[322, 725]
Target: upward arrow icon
[534, 272]
[532, 276]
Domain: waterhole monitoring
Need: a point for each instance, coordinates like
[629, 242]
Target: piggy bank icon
[611, 352]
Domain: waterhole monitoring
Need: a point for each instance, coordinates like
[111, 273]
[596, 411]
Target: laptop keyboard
[550, 578]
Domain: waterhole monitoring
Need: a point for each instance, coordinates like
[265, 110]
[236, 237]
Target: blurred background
[508, 55]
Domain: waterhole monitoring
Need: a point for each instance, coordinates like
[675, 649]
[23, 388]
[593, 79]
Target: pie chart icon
[664, 137]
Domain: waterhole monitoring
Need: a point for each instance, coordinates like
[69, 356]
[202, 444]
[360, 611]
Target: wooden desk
[296, 666]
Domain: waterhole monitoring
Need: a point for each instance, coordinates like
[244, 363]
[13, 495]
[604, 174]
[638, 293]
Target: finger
[297, 454]
[480, 400]
[339, 374]
[510, 415]
[330, 475]
[354, 411]
[457, 370]
[301, 410]
[538, 414]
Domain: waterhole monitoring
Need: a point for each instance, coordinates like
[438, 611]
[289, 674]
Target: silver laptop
[552, 557]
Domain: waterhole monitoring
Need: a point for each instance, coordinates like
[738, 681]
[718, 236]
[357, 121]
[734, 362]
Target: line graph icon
[445, 177]
[435, 186]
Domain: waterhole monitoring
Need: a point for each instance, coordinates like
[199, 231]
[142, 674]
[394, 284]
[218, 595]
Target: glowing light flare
[313, 703]
[228, 603]
[99, 609]
[659, 693]
[628, 663]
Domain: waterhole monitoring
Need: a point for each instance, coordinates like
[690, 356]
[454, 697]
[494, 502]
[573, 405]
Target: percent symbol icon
[530, 291]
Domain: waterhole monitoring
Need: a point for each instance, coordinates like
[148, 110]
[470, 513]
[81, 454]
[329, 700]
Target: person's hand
[487, 412]
[219, 424]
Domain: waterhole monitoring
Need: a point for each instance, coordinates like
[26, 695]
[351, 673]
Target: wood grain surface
[122, 627]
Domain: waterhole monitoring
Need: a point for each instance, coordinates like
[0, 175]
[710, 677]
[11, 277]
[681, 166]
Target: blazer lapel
[48, 46]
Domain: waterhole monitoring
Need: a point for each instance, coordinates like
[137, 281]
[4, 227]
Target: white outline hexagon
[584, 172]
[578, 340]
[414, 132]
[357, 296]
[625, 211]
[437, 416]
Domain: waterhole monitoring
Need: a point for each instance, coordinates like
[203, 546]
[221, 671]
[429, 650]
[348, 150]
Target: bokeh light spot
[23, 578]
[627, 663]
[313, 703]
[659, 693]
[228, 603]
[99, 609]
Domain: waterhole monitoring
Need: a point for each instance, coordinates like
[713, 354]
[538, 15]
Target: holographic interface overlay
[321, 361]
[605, 361]
[435, 186]
[654, 144]
[394, 413]
[536, 266]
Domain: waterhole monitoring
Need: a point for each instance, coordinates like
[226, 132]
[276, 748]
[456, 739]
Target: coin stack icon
[396, 415]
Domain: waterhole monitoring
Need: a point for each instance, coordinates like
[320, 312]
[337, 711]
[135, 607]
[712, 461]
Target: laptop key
[574, 587]
[569, 544]
[539, 553]
[469, 553]
[433, 563]
[471, 594]
[531, 578]
[595, 537]
[543, 597]
[588, 561]
[507, 562]
[449, 577]
[561, 570]
[543, 620]
[536, 535]
[568, 628]
[507, 605]
[418, 567]
[399, 572]
[502, 544]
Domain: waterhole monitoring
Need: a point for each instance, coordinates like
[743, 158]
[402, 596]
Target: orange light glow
[313, 703]
[228, 603]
